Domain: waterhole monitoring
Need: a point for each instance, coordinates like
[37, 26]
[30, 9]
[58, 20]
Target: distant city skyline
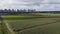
[41, 5]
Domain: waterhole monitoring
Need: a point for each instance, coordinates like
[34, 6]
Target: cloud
[19, 4]
[50, 5]
[42, 5]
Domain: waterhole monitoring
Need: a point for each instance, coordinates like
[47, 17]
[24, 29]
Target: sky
[41, 5]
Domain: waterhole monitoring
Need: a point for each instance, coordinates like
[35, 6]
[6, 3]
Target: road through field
[10, 30]
[35, 25]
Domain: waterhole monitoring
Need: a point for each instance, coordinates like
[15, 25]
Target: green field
[29, 16]
[0, 29]
[33, 23]
[36, 26]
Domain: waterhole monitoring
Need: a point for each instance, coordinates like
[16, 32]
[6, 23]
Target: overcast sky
[42, 5]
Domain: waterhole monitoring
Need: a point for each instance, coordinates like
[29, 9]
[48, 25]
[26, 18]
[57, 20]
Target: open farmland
[0, 29]
[29, 16]
[35, 26]
[32, 23]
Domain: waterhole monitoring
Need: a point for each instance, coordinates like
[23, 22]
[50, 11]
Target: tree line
[18, 11]
[22, 11]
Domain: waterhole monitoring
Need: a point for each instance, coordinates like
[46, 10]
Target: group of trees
[49, 12]
[18, 11]
[21, 11]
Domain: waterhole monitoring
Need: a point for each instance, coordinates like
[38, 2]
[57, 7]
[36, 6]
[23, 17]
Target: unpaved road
[10, 30]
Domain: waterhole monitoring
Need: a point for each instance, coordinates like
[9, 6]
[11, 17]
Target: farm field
[32, 23]
[0, 29]
[29, 16]
[35, 26]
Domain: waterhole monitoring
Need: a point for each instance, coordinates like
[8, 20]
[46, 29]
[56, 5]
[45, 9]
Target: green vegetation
[0, 29]
[29, 16]
[33, 23]
[3, 29]
[35, 26]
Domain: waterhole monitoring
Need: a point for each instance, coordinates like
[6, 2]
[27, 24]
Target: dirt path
[10, 30]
